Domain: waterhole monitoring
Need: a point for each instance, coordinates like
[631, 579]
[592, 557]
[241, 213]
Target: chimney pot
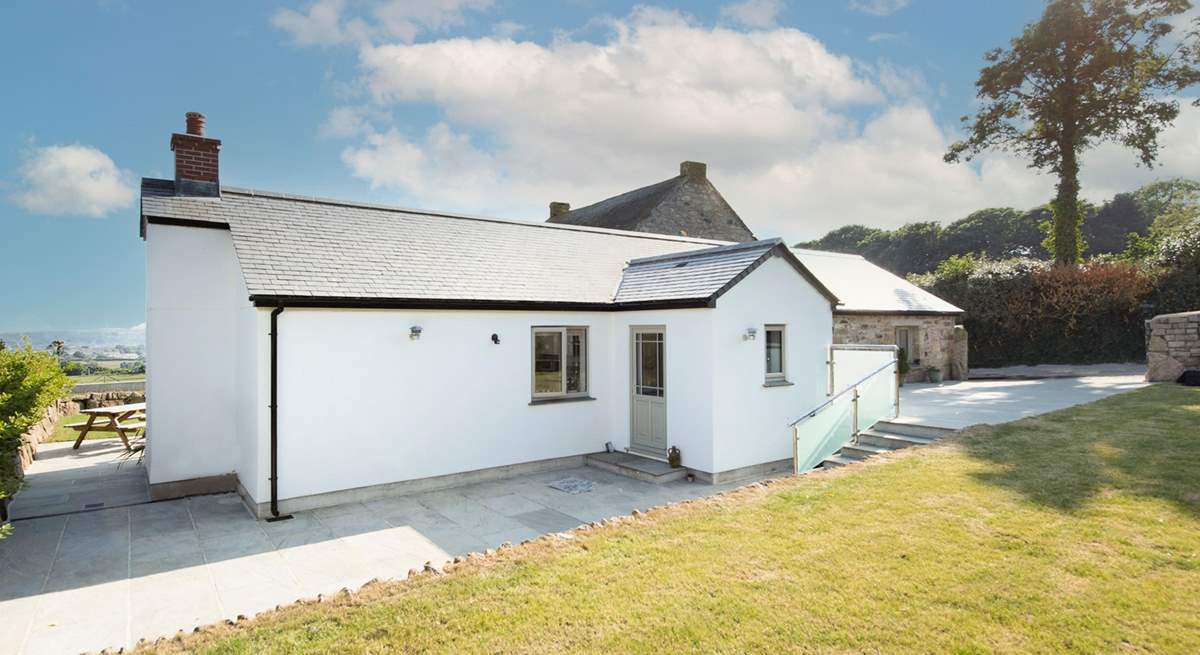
[195, 123]
[559, 208]
[693, 169]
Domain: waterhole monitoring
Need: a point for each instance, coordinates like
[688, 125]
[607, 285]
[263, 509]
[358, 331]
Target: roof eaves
[356, 302]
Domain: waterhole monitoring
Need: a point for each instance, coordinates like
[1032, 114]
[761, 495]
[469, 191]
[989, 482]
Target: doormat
[572, 485]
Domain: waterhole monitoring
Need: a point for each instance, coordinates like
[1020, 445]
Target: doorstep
[636, 467]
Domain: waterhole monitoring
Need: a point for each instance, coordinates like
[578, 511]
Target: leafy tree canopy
[1089, 71]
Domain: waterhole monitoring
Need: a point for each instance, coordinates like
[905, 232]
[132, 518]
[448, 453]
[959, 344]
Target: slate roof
[302, 250]
[683, 205]
[866, 288]
[689, 274]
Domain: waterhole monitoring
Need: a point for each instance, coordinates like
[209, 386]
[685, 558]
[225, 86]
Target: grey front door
[649, 402]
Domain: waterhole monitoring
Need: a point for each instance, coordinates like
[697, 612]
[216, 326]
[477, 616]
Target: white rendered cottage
[308, 352]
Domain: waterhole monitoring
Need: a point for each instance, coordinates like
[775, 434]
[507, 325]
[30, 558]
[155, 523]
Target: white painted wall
[750, 421]
[688, 340]
[194, 292]
[363, 404]
[360, 403]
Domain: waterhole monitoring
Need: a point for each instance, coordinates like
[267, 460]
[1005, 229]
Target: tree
[848, 238]
[57, 347]
[1089, 71]
[1170, 205]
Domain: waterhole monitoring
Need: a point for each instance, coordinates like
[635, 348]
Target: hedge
[1029, 312]
[30, 381]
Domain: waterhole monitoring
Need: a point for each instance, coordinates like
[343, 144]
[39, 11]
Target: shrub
[30, 381]
[1025, 311]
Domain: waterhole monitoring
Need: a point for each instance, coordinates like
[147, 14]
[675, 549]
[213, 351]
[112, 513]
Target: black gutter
[275, 418]
[186, 222]
[513, 305]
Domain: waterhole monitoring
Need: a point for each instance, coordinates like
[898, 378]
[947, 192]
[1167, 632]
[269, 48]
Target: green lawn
[63, 433]
[1078, 531]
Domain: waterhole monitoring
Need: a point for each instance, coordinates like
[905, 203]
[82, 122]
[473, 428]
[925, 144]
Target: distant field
[114, 376]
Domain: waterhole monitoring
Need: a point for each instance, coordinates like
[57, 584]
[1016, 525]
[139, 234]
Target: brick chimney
[197, 172]
[693, 169]
[559, 208]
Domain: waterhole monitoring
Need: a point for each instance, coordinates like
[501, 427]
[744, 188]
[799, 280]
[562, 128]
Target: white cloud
[879, 7]
[773, 112]
[332, 22]
[140, 327]
[759, 14]
[1112, 168]
[73, 180]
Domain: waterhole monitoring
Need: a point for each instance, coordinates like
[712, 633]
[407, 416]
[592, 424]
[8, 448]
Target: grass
[63, 433]
[1077, 531]
[108, 376]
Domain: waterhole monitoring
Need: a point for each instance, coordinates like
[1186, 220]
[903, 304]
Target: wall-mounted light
[414, 332]
[751, 334]
[495, 338]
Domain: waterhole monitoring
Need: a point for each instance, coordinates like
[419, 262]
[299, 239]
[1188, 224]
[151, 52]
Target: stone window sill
[563, 399]
[777, 383]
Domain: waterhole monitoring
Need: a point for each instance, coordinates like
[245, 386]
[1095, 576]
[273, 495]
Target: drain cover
[93, 505]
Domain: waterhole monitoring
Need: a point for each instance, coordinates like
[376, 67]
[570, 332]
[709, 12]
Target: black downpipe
[275, 417]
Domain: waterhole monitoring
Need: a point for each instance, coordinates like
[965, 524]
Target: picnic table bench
[121, 419]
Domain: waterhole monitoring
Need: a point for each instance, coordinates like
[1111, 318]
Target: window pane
[774, 352]
[650, 364]
[576, 360]
[547, 362]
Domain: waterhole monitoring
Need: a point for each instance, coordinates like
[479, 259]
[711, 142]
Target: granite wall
[940, 343]
[1173, 346]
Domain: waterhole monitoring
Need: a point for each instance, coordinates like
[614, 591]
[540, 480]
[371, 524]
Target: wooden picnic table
[122, 419]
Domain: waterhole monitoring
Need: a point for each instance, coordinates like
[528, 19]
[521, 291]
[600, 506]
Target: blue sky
[809, 114]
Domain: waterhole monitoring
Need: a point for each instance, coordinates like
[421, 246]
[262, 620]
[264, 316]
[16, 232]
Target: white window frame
[562, 331]
[781, 376]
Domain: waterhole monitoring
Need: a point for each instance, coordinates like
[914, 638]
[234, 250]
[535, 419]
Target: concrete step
[636, 467]
[875, 437]
[834, 461]
[862, 450]
[911, 429]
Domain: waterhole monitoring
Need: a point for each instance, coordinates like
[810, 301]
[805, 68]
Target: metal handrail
[817, 410]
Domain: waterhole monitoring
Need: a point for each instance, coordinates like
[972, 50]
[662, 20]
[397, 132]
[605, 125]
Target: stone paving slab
[101, 474]
[108, 578]
[960, 404]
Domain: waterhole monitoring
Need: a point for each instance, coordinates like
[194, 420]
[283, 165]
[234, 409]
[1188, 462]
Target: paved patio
[107, 578]
[62, 480]
[959, 404]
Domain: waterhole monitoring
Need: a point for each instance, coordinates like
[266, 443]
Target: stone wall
[42, 430]
[108, 398]
[939, 342]
[1173, 346]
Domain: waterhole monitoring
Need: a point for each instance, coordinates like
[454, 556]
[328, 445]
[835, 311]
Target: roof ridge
[704, 252]
[627, 194]
[259, 193]
[828, 253]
